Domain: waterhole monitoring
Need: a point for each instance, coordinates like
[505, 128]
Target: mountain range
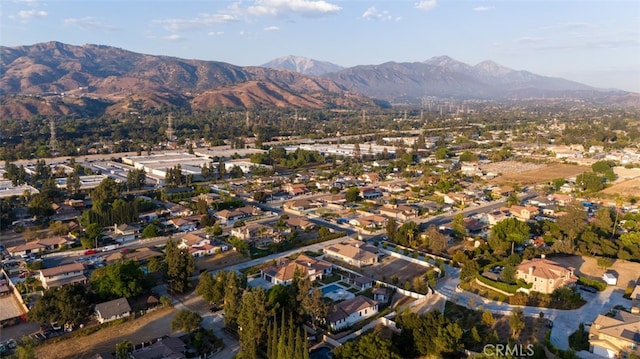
[53, 78]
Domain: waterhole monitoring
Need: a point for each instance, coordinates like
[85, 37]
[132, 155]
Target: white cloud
[271, 28]
[426, 5]
[173, 38]
[198, 22]
[531, 40]
[374, 14]
[282, 8]
[30, 14]
[215, 33]
[482, 8]
[88, 23]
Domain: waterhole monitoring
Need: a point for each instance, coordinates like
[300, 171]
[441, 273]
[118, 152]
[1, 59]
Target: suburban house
[370, 193]
[351, 311]
[26, 249]
[615, 336]
[183, 224]
[180, 211]
[300, 223]
[370, 222]
[400, 213]
[230, 216]
[300, 205]
[456, 198]
[112, 310]
[62, 275]
[523, 213]
[284, 271]
[125, 232]
[545, 275]
[295, 189]
[255, 232]
[352, 252]
[496, 216]
[371, 177]
[199, 246]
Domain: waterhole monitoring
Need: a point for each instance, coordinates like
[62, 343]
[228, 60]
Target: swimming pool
[330, 288]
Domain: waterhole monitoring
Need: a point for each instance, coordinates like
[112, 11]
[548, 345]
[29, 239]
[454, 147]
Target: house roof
[113, 308]
[191, 239]
[623, 326]
[30, 246]
[302, 263]
[544, 268]
[54, 240]
[353, 251]
[67, 268]
[343, 309]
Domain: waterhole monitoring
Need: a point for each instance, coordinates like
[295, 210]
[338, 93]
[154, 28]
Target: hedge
[509, 288]
[595, 283]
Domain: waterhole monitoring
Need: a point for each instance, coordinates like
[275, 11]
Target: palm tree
[124, 349]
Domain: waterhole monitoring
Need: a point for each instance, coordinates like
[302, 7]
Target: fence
[382, 320]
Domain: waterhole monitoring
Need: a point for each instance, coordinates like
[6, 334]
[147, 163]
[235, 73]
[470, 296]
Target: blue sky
[593, 42]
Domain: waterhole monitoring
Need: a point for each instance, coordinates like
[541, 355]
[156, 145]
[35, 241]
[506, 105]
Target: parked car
[89, 252]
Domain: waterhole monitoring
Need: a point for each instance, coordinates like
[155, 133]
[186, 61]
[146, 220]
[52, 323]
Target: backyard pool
[330, 288]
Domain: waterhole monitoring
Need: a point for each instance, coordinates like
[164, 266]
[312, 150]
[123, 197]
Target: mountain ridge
[91, 80]
[303, 65]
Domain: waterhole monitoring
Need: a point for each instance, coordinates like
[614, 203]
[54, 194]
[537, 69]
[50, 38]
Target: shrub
[509, 288]
[595, 283]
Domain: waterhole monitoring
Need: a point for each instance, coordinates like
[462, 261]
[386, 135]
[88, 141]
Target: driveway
[565, 322]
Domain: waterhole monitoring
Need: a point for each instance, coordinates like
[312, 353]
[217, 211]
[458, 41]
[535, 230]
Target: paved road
[565, 322]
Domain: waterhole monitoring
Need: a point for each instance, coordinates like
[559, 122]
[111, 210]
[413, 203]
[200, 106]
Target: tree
[180, 266]
[202, 207]
[311, 301]
[352, 194]
[150, 231]
[157, 265]
[469, 271]
[252, 322]
[212, 288]
[67, 304]
[124, 349]
[217, 230]
[323, 232]
[487, 318]
[573, 222]
[516, 322]
[369, 346]
[40, 206]
[118, 280]
[442, 153]
[232, 297]
[458, 226]
[106, 192]
[467, 156]
[436, 241]
[93, 232]
[605, 262]
[508, 274]
[260, 196]
[186, 320]
[391, 228]
[507, 231]
[58, 228]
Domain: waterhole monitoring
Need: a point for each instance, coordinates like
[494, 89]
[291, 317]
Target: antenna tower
[170, 133]
[52, 130]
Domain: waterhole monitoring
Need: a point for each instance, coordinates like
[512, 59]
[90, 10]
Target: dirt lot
[628, 188]
[220, 260]
[145, 328]
[391, 266]
[541, 175]
[628, 272]
[9, 307]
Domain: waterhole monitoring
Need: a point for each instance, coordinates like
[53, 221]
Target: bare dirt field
[220, 260]
[628, 272]
[150, 326]
[541, 174]
[628, 188]
[391, 266]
